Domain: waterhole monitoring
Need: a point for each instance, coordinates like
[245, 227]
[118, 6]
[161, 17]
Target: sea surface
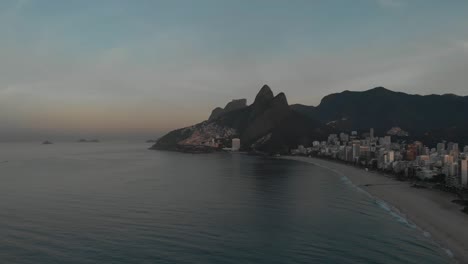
[121, 203]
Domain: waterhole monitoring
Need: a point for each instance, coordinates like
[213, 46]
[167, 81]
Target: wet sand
[431, 210]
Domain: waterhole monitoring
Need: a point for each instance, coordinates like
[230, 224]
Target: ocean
[115, 202]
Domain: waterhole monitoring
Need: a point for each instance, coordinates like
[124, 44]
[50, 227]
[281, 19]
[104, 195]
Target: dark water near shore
[121, 203]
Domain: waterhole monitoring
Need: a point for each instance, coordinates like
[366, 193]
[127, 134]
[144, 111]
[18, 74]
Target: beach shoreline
[430, 210]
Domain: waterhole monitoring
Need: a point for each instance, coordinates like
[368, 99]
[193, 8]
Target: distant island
[47, 142]
[271, 126]
[82, 140]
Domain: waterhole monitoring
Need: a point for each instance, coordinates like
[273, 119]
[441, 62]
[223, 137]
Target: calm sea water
[121, 203]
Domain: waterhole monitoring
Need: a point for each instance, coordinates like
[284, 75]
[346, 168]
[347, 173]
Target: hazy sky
[144, 67]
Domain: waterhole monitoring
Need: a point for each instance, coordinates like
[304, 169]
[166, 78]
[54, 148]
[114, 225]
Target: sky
[125, 68]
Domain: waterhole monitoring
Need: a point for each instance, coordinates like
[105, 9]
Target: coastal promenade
[431, 210]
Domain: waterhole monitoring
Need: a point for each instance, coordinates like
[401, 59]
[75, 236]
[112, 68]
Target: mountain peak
[231, 106]
[281, 98]
[264, 95]
[266, 114]
[379, 89]
[235, 104]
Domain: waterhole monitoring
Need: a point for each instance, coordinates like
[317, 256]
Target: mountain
[271, 125]
[231, 106]
[267, 125]
[429, 118]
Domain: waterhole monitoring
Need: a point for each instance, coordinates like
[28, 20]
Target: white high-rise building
[448, 159]
[441, 148]
[453, 169]
[464, 173]
[235, 144]
[356, 151]
[391, 156]
[455, 151]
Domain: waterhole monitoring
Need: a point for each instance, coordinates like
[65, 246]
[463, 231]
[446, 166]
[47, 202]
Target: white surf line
[389, 208]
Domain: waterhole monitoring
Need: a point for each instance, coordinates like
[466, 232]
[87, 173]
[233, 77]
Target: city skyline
[445, 163]
[120, 68]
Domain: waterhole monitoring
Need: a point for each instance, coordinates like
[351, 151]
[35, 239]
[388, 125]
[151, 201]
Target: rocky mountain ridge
[429, 118]
[271, 125]
[260, 126]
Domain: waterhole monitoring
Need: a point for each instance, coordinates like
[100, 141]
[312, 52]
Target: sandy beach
[431, 210]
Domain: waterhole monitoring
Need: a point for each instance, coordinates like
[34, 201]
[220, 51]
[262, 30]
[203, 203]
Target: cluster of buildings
[446, 162]
[219, 142]
[207, 135]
